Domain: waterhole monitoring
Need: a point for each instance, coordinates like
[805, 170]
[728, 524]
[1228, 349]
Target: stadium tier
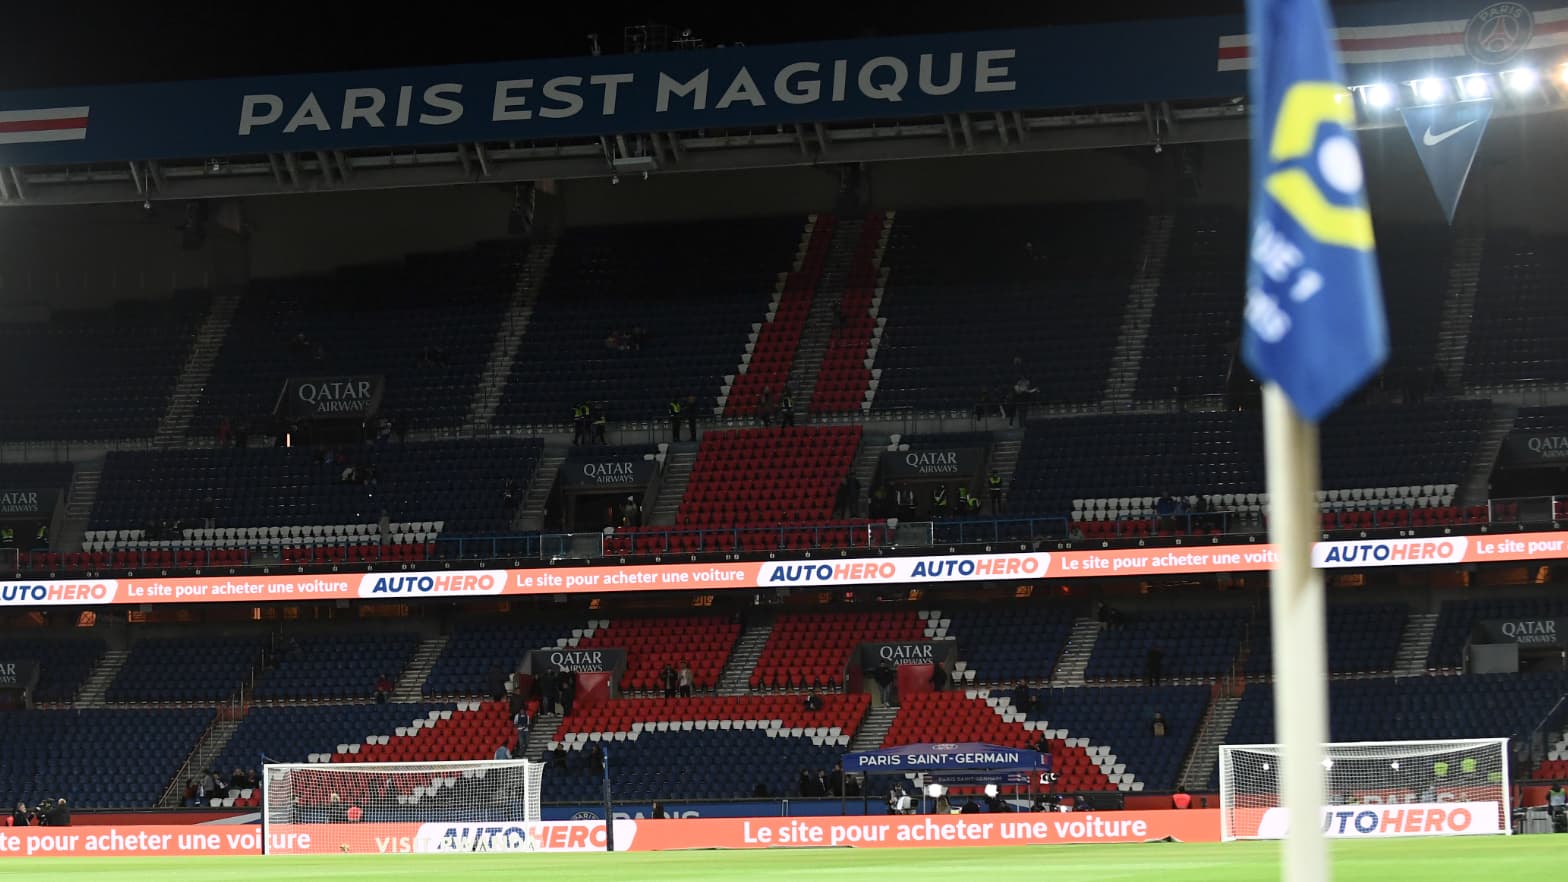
[703, 643]
[475, 652]
[111, 371]
[96, 758]
[459, 483]
[1189, 644]
[844, 383]
[770, 354]
[1065, 462]
[702, 747]
[1457, 618]
[427, 324]
[1197, 317]
[813, 649]
[1006, 644]
[978, 298]
[303, 732]
[64, 663]
[682, 297]
[1515, 335]
[339, 667]
[1363, 638]
[185, 669]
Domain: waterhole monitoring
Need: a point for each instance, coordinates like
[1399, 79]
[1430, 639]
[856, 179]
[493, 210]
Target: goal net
[473, 805]
[1374, 788]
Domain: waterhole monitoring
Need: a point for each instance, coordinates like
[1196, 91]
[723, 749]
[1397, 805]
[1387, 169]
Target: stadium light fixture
[933, 790]
[1521, 79]
[1378, 96]
[1431, 90]
[991, 791]
[1475, 86]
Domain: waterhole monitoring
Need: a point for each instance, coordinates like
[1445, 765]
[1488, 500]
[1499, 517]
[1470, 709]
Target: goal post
[466, 805]
[1374, 789]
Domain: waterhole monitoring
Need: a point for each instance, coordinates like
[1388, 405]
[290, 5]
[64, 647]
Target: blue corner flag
[1314, 320]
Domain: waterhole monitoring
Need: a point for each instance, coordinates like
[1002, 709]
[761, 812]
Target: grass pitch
[1382, 860]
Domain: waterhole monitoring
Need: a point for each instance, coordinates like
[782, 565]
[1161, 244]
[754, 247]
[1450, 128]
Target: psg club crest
[1499, 32]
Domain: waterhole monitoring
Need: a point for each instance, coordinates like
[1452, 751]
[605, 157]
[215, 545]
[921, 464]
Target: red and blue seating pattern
[812, 650]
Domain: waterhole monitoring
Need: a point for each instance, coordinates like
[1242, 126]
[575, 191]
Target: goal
[473, 805]
[1374, 788]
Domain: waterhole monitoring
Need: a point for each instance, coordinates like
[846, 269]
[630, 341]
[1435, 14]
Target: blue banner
[755, 808]
[1447, 137]
[1314, 314]
[945, 757]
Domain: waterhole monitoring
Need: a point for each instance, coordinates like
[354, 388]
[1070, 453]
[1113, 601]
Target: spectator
[822, 783]
[520, 722]
[383, 689]
[836, 780]
[568, 692]
[60, 816]
[208, 786]
[1153, 666]
[669, 680]
[658, 813]
[765, 406]
[497, 680]
[938, 678]
[237, 779]
[943, 807]
[547, 690]
[813, 702]
[685, 679]
[851, 786]
[884, 677]
[23, 816]
[1023, 699]
[251, 781]
[970, 808]
[689, 410]
[1157, 725]
[503, 752]
[596, 760]
[805, 783]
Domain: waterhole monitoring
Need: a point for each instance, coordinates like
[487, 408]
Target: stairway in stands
[176, 421]
[1205, 753]
[1453, 336]
[97, 684]
[873, 728]
[1128, 355]
[509, 336]
[410, 686]
[678, 463]
[1075, 655]
[79, 501]
[540, 736]
[819, 321]
[531, 514]
[1415, 644]
[735, 679]
[208, 749]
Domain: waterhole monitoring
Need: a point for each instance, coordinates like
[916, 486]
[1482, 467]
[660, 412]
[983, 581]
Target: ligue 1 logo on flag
[1499, 32]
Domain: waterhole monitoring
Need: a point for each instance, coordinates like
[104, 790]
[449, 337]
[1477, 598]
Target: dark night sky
[98, 42]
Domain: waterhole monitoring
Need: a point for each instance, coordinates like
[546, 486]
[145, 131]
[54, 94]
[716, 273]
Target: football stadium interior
[438, 391]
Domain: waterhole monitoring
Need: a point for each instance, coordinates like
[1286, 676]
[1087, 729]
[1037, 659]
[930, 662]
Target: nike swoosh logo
[1432, 140]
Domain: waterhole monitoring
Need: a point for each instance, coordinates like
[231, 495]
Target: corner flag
[1314, 315]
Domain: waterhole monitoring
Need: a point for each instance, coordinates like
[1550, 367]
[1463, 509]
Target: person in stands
[669, 679]
[658, 813]
[686, 680]
[23, 816]
[689, 411]
[383, 689]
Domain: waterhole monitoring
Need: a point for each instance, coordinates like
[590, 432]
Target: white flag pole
[1300, 656]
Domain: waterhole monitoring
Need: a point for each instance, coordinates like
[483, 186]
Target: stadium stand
[956, 717]
[1011, 642]
[1122, 719]
[771, 352]
[110, 371]
[1197, 315]
[344, 666]
[1414, 708]
[694, 289]
[185, 669]
[966, 295]
[813, 649]
[1515, 337]
[1193, 644]
[702, 747]
[292, 734]
[427, 324]
[1457, 617]
[703, 642]
[474, 651]
[64, 663]
[757, 489]
[96, 758]
[1363, 638]
[457, 483]
[845, 379]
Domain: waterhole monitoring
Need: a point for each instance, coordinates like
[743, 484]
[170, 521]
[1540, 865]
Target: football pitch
[1386, 860]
